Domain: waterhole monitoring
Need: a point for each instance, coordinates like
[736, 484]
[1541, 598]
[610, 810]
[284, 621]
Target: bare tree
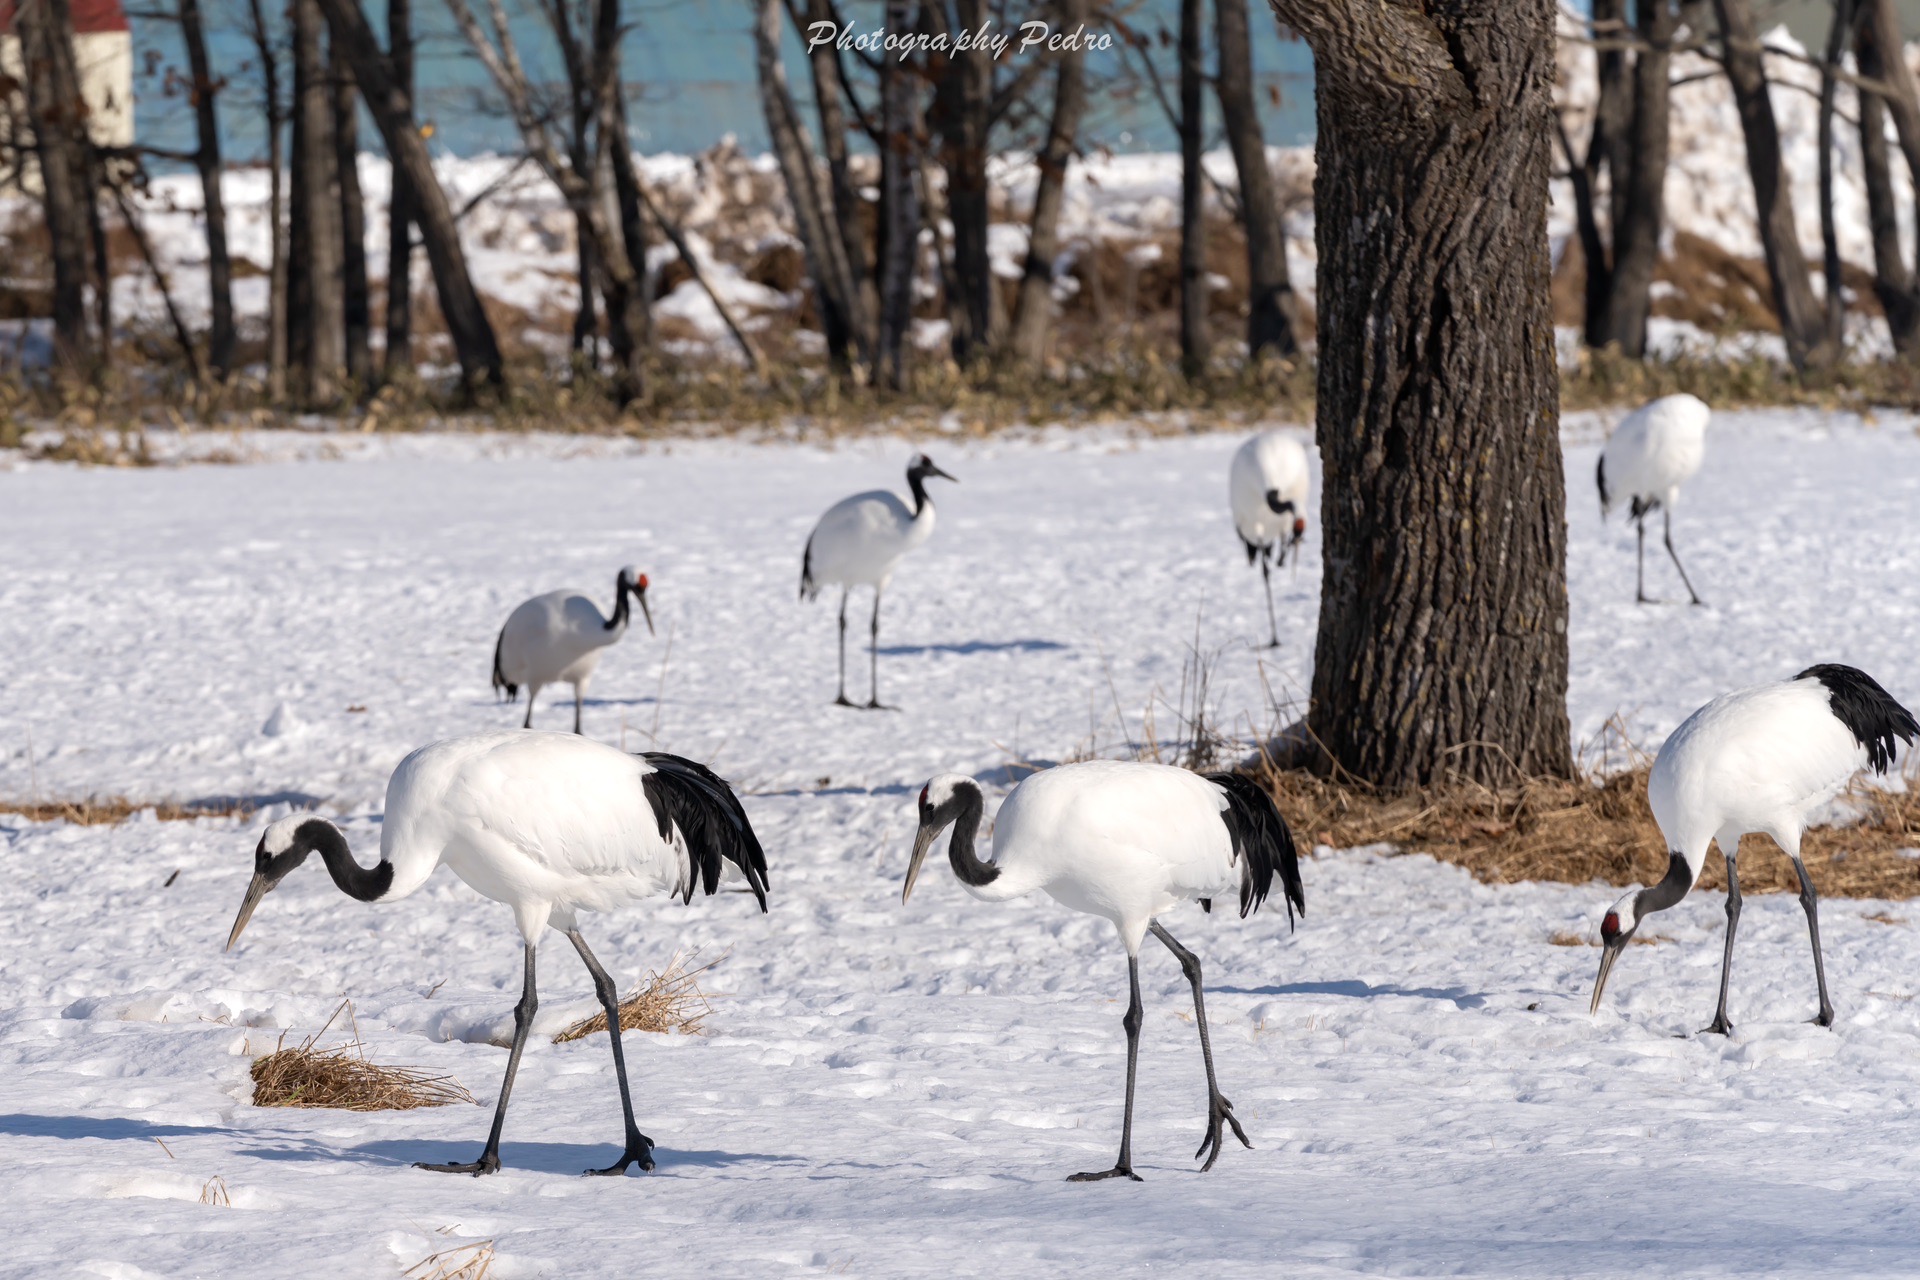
[316, 318]
[963, 117]
[833, 97]
[1802, 323]
[1271, 304]
[205, 91]
[1878, 46]
[392, 108]
[1193, 233]
[1033, 306]
[276, 119]
[356, 304]
[1442, 643]
[899, 203]
[61, 144]
[398, 359]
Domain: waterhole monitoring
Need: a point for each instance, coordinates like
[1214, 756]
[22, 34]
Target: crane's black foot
[489, 1162]
[639, 1151]
[1718, 1027]
[1118, 1171]
[841, 701]
[1642, 599]
[1220, 1111]
[874, 704]
[1271, 644]
[1698, 601]
[1824, 1018]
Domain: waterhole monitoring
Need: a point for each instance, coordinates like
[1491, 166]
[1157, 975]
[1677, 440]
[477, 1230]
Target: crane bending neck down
[286, 844]
[963, 806]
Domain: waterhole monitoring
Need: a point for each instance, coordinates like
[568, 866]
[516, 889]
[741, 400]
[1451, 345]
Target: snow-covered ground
[889, 1091]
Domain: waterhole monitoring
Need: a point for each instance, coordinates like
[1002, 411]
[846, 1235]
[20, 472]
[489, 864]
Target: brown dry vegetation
[111, 810]
[669, 1000]
[344, 1079]
[1580, 831]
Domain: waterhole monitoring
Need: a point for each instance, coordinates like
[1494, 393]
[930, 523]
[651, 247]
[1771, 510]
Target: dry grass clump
[97, 811]
[342, 1078]
[462, 1262]
[669, 1000]
[1576, 831]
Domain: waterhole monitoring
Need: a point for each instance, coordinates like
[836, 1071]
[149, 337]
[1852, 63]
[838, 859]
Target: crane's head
[631, 579]
[921, 466]
[942, 800]
[283, 846]
[1616, 928]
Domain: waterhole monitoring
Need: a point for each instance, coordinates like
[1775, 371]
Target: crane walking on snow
[859, 542]
[1267, 485]
[551, 824]
[1126, 841]
[557, 638]
[1761, 760]
[1654, 451]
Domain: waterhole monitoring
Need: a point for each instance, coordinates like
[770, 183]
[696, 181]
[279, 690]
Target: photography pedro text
[1034, 36]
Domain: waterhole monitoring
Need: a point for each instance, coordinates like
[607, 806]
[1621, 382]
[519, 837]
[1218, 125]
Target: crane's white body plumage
[559, 638]
[1271, 462]
[861, 540]
[1121, 840]
[1655, 449]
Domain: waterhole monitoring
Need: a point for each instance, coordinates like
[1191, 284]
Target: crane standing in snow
[551, 824]
[1126, 841]
[1759, 759]
[557, 638]
[1654, 451]
[859, 542]
[1267, 485]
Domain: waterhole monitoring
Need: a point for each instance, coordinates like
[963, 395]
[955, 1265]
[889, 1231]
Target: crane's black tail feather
[807, 590]
[1869, 712]
[500, 680]
[1262, 842]
[699, 802]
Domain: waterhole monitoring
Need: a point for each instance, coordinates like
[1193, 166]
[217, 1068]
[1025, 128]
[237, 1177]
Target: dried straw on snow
[669, 1000]
[341, 1077]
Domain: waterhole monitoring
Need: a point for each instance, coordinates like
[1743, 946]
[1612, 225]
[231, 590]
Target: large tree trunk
[1801, 323]
[1639, 196]
[392, 108]
[1033, 308]
[1193, 232]
[623, 274]
[963, 101]
[835, 291]
[206, 158]
[60, 143]
[843, 191]
[397, 362]
[633, 224]
[899, 204]
[1271, 304]
[317, 350]
[1839, 35]
[356, 305]
[1442, 647]
[269, 58]
[1894, 282]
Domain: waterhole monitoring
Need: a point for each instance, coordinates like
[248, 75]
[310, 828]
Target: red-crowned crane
[1267, 485]
[1762, 760]
[1654, 451]
[557, 638]
[551, 824]
[859, 542]
[1126, 841]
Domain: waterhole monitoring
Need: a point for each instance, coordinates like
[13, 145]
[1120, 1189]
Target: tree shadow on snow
[974, 646]
[1460, 996]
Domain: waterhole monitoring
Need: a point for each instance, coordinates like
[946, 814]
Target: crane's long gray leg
[873, 653]
[1219, 1110]
[1720, 1025]
[576, 708]
[1124, 1168]
[1666, 527]
[1810, 903]
[841, 699]
[639, 1146]
[489, 1161]
[533, 692]
[1266, 578]
[1640, 562]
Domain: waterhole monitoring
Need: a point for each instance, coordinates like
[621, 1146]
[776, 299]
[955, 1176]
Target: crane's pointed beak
[256, 890]
[640, 594]
[921, 843]
[1607, 958]
[935, 471]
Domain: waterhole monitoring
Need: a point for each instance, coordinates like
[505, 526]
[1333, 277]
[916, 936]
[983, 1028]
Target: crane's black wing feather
[500, 680]
[1263, 844]
[1869, 712]
[807, 590]
[692, 798]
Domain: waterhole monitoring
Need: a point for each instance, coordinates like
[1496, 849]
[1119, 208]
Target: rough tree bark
[1839, 35]
[963, 116]
[316, 314]
[1033, 306]
[397, 362]
[899, 205]
[206, 158]
[1271, 304]
[835, 290]
[45, 29]
[1802, 324]
[1640, 192]
[830, 96]
[356, 303]
[1894, 282]
[1193, 232]
[1442, 646]
[269, 58]
[392, 108]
